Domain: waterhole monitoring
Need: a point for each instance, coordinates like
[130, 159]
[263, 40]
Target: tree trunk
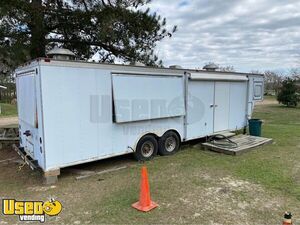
[36, 25]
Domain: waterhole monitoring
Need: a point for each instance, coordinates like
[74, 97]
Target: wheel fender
[156, 133]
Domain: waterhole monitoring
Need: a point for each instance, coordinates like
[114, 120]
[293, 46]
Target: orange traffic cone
[287, 218]
[144, 204]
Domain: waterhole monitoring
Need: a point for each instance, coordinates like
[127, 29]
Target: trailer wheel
[146, 148]
[169, 143]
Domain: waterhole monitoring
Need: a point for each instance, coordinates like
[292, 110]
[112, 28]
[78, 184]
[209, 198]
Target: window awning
[145, 97]
[221, 77]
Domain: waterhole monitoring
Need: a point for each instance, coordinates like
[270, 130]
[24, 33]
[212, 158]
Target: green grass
[272, 166]
[269, 97]
[8, 110]
[275, 165]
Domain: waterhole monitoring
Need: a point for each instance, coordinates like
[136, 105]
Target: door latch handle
[211, 105]
[27, 133]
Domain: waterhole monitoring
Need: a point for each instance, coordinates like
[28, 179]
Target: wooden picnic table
[9, 134]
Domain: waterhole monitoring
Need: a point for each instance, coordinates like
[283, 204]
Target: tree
[227, 68]
[273, 81]
[288, 94]
[295, 74]
[121, 29]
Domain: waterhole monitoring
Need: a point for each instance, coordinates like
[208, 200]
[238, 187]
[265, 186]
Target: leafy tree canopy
[123, 29]
[289, 93]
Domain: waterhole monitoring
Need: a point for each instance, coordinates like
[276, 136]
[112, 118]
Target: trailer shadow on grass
[193, 186]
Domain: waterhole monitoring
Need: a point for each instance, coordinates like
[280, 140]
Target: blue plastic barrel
[255, 127]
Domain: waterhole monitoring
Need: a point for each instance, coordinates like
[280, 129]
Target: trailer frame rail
[33, 164]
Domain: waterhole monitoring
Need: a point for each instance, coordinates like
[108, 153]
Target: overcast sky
[248, 34]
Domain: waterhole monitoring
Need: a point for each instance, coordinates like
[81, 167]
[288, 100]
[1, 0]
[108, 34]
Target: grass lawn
[193, 186]
[8, 110]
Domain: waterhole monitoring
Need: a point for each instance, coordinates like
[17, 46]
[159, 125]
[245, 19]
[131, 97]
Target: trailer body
[72, 112]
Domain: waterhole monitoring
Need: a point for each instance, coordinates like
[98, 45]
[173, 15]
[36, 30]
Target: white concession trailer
[72, 112]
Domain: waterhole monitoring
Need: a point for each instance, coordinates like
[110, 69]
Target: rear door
[27, 109]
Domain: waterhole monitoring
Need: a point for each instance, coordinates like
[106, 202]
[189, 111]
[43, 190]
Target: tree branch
[85, 5]
[113, 50]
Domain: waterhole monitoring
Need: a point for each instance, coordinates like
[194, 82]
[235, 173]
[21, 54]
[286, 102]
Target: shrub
[288, 94]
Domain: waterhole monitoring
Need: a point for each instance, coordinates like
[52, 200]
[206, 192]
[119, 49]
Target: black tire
[165, 142]
[146, 148]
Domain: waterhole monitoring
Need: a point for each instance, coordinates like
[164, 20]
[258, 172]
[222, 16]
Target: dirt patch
[228, 200]
[41, 188]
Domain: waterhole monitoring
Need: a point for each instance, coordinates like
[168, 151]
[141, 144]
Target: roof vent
[175, 67]
[211, 67]
[61, 53]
